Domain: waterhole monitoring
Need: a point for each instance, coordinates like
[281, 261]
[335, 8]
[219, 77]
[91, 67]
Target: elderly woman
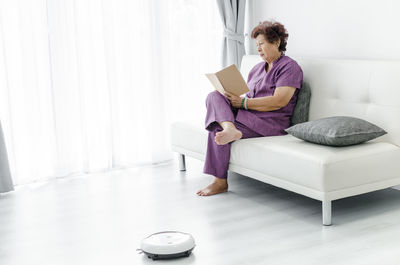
[264, 111]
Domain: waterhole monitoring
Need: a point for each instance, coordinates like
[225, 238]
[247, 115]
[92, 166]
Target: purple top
[285, 72]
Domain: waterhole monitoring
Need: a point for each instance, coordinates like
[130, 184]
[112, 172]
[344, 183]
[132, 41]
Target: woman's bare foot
[227, 135]
[218, 186]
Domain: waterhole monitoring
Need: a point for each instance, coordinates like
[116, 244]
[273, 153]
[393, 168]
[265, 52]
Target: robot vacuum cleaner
[167, 245]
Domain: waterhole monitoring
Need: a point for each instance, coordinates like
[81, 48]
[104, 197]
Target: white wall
[355, 29]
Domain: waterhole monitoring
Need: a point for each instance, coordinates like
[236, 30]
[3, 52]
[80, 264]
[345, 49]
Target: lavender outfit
[285, 72]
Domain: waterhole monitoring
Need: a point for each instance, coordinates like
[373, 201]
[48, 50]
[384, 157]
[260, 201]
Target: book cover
[228, 79]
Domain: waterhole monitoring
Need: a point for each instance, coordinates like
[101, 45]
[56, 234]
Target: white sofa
[361, 88]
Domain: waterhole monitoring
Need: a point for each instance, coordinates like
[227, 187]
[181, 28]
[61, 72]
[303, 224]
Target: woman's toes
[217, 139]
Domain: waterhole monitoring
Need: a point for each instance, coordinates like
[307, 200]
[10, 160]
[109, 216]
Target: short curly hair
[272, 31]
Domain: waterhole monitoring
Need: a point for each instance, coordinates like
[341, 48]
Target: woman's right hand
[235, 100]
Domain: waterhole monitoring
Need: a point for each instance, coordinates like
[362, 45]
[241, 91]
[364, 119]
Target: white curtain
[232, 14]
[92, 85]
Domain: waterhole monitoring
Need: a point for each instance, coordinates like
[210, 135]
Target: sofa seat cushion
[191, 137]
[322, 168]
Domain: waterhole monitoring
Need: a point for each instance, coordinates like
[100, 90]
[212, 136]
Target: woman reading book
[264, 111]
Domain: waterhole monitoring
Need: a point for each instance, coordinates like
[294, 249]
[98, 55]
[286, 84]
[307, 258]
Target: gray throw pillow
[300, 112]
[336, 131]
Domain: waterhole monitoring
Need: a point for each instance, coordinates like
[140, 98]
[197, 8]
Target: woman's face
[268, 51]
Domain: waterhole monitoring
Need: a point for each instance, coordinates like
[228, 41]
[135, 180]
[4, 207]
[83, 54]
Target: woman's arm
[280, 99]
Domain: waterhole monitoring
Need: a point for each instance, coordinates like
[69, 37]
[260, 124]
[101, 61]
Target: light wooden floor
[101, 219]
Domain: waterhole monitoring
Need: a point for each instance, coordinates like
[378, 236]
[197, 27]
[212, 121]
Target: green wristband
[241, 104]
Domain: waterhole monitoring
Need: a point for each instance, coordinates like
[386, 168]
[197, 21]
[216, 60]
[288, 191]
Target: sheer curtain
[91, 85]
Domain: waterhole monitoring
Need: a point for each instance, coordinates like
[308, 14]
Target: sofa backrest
[366, 89]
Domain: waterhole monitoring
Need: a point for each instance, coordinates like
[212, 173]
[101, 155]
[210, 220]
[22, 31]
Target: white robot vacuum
[167, 245]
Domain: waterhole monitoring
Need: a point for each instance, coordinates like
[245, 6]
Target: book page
[216, 83]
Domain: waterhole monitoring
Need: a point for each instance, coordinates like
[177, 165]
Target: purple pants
[219, 109]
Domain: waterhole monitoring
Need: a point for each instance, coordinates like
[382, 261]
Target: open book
[229, 79]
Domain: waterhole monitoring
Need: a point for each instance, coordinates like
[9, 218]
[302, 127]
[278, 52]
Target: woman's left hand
[235, 100]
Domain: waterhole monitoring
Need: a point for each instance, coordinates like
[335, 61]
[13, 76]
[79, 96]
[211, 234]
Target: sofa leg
[182, 164]
[326, 212]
